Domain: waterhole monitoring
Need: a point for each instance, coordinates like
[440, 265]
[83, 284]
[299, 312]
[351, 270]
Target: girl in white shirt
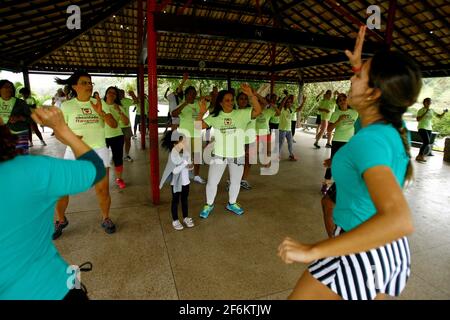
[177, 172]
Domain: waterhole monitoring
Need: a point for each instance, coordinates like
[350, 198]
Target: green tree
[442, 125]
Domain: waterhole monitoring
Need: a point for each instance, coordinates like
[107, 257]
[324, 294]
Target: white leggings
[216, 169]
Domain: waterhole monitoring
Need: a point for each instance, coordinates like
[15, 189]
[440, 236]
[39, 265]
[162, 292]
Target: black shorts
[318, 119]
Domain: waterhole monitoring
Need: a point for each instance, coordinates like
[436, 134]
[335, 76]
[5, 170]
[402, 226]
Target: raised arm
[442, 114]
[253, 98]
[203, 110]
[301, 105]
[123, 117]
[185, 78]
[319, 95]
[107, 117]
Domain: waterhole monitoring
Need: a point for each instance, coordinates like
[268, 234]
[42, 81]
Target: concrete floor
[228, 256]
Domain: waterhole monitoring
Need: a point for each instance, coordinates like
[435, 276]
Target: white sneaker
[177, 225]
[199, 179]
[128, 158]
[188, 222]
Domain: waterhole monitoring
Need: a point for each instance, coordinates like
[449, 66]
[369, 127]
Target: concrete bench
[416, 141]
[309, 123]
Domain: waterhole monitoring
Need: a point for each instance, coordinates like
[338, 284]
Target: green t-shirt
[229, 132]
[285, 120]
[85, 122]
[187, 118]
[328, 105]
[126, 104]
[112, 132]
[138, 108]
[6, 108]
[294, 113]
[345, 128]
[15, 107]
[275, 119]
[426, 122]
[262, 121]
[250, 132]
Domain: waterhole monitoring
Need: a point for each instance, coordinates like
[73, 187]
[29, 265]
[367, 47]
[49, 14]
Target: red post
[141, 89]
[153, 100]
[390, 22]
[272, 77]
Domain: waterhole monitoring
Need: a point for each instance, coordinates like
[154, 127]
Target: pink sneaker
[120, 183]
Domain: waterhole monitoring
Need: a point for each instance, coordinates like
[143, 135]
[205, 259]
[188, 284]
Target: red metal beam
[341, 11]
[140, 10]
[163, 5]
[153, 101]
[272, 58]
[390, 22]
[182, 10]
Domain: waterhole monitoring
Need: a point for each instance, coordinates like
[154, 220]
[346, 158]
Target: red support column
[153, 100]
[140, 88]
[390, 23]
[272, 77]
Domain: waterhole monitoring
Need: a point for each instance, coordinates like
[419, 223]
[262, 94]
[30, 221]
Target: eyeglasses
[84, 83]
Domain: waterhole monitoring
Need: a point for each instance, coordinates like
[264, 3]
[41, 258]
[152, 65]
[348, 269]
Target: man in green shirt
[425, 117]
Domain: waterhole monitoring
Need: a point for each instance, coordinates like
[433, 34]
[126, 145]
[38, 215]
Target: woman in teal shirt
[30, 265]
[369, 256]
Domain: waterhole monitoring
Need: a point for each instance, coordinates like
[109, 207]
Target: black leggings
[184, 202]
[335, 146]
[425, 135]
[34, 128]
[293, 126]
[116, 145]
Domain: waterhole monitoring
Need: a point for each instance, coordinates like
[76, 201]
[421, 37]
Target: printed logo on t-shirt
[86, 110]
[227, 121]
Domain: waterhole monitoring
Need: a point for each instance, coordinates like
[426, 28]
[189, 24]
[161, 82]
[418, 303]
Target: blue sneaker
[235, 208]
[206, 211]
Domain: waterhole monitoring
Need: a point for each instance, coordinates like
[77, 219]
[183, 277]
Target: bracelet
[356, 69]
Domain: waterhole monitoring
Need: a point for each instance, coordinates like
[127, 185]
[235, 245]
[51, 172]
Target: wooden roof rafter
[105, 14]
[399, 31]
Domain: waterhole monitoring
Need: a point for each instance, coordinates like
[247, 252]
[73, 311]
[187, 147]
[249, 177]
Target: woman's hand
[53, 117]
[98, 106]
[203, 106]
[247, 89]
[291, 251]
[355, 56]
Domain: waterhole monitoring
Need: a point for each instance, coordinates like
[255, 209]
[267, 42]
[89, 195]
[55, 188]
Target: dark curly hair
[170, 139]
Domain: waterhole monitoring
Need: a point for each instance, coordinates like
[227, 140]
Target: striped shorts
[363, 275]
[22, 145]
